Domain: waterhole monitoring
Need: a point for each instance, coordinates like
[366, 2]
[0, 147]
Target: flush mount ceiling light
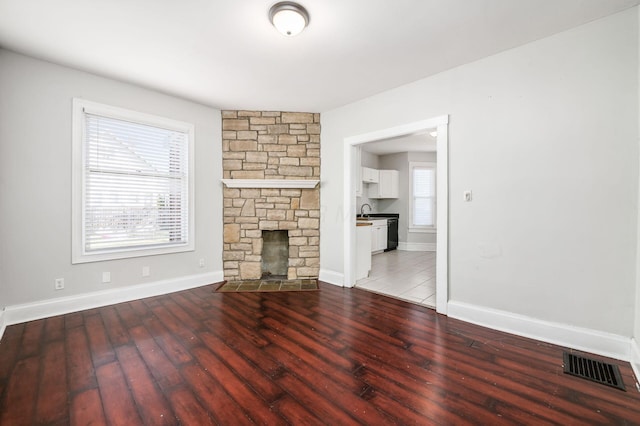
[289, 18]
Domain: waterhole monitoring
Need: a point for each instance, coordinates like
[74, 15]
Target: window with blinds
[134, 193]
[423, 195]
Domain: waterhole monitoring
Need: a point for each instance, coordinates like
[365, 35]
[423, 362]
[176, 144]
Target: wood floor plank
[75, 319]
[295, 413]
[128, 316]
[177, 353]
[184, 318]
[248, 334]
[116, 332]
[337, 356]
[19, 399]
[119, 406]
[246, 348]
[140, 308]
[80, 370]
[434, 408]
[101, 349]
[189, 412]
[251, 375]
[54, 328]
[152, 405]
[324, 335]
[253, 405]
[307, 365]
[32, 338]
[86, 409]
[194, 309]
[164, 372]
[218, 402]
[329, 354]
[321, 406]
[234, 307]
[52, 407]
[9, 349]
[346, 396]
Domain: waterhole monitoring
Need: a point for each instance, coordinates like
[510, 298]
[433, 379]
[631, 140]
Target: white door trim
[442, 206]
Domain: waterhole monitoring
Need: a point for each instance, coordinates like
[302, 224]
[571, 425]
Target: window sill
[129, 253]
[423, 230]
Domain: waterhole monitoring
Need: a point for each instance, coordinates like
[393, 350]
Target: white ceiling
[224, 53]
[423, 142]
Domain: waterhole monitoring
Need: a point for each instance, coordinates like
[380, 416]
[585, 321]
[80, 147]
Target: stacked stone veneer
[270, 145]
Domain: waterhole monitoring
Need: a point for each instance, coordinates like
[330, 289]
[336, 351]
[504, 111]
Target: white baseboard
[331, 277]
[635, 359]
[2, 324]
[47, 308]
[583, 339]
[417, 246]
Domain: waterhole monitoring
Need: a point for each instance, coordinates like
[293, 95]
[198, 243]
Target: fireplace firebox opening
[275, 255]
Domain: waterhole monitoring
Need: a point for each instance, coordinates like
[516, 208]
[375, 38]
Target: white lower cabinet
[378, 235]
[363, 254]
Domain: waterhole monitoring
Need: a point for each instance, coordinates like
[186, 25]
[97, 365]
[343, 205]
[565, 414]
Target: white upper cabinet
[387, 186]
[369, 175]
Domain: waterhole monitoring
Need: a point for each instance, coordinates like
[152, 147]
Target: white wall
[35, 183]
[636, 328]
[546, 137]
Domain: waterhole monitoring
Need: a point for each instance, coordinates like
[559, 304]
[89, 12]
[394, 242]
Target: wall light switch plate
[467, 195]
[106, 277]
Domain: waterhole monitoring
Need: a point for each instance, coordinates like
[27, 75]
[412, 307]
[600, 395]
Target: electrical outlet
[59, 284]
[146, 271]
[201, 263]
[106, 277]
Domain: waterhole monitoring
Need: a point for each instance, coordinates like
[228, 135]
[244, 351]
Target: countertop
[378, 216]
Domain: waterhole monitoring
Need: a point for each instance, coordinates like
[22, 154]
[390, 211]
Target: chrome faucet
[362, 209]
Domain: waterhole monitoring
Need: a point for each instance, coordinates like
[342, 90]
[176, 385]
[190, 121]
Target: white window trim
[421, 228]
[80, 106]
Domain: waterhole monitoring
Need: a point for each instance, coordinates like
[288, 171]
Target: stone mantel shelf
[269, 183]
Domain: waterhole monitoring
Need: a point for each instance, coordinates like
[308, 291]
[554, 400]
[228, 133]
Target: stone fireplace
[271, 173]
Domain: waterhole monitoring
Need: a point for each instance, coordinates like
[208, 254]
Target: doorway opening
[402, 218]
[353, 146]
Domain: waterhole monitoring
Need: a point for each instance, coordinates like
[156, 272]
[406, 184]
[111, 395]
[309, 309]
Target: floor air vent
[590, 369]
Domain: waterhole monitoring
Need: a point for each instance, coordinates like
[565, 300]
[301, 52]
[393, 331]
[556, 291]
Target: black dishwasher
[392, 234]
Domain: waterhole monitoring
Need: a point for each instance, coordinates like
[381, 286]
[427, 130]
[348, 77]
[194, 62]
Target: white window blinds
[132, 190]
[424, 196]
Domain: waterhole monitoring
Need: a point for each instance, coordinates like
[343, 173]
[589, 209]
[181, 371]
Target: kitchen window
[422, 216]
[132, 183]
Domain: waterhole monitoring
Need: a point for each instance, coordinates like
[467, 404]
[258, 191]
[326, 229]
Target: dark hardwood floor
[337, 356]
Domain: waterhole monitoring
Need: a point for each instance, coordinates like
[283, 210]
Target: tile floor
[406, 275]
